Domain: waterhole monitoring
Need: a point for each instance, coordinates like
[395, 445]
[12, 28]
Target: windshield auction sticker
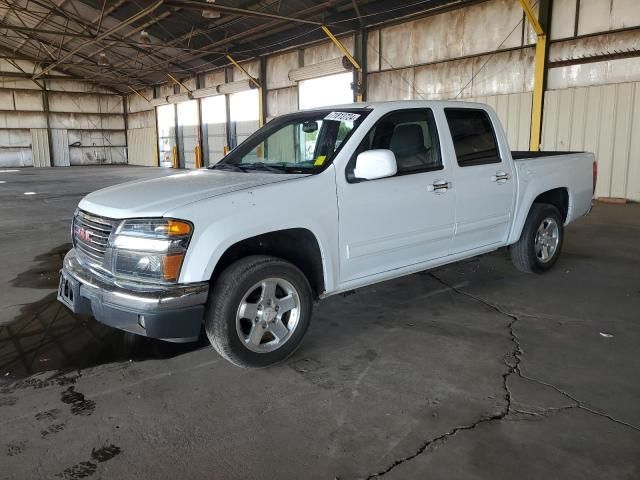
[343, 116]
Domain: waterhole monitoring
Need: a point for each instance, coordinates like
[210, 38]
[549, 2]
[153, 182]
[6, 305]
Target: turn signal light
[171, 267]
[175, 228]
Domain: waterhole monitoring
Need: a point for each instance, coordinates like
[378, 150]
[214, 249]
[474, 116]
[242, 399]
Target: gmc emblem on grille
[83, 234]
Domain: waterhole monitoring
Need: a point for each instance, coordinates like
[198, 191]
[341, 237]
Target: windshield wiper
[280, 168]
[229, 166]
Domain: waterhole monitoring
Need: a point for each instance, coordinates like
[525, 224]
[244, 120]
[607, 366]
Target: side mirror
[374, 164]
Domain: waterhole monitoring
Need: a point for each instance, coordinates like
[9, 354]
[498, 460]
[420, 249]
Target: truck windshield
[303, 142]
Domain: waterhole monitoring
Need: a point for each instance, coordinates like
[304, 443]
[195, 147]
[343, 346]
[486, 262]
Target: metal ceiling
[102, 41]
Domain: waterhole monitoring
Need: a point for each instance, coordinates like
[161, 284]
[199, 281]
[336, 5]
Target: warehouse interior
[471, 371]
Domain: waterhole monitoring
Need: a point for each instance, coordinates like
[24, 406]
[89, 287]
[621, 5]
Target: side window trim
[433, 125]
[493, 133]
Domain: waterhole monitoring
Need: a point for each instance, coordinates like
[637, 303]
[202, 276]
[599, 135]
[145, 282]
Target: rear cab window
[473, 136]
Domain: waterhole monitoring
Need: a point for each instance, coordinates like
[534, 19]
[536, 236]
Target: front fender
[220, 222]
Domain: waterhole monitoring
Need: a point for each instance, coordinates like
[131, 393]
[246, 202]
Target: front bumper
[172, 312]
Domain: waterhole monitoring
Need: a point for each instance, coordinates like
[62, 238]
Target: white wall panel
[135, 103]
[438, 37]
[16, 157]
[278, 67]
[142, 119]
[6, 100]
[40, 147]
[326, 51]
[142, 146]
[15, 138]
[391, 85]
[490, 24]
[563, 18]
[97, 155]
[211, 79]
[77, 121]
[281, 101]
[604, 120]
[373, 51]
[60, 145]
[28, 101]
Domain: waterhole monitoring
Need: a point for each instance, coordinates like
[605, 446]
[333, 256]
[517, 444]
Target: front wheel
[258, 311]
[540, 243]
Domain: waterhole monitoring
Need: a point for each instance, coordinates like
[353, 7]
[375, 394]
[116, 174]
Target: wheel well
[296, 245]
[558, 197]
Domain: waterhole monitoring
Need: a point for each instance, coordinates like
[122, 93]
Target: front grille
[91, 235]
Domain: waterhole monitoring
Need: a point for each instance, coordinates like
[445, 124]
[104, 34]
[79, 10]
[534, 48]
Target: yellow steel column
[538, 77]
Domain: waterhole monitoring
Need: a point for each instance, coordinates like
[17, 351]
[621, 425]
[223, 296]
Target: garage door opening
[244, 110]
[325, 91]
[166, 134]
[214, 128]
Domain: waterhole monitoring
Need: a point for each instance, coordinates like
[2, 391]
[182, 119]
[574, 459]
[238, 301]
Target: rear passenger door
[404, 220]
[483, 180]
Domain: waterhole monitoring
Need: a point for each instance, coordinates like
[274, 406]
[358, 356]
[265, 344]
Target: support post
[540, 26]
[360, 76]
[125, 114]
[45, 104]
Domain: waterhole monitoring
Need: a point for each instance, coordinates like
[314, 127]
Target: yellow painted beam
[538, 93]
[242, 69]
[138, 93]
[538, 77]
[178, 82]
[341, 47]
[531, 16]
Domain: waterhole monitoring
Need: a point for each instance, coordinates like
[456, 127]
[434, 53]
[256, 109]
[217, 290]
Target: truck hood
[154, 197]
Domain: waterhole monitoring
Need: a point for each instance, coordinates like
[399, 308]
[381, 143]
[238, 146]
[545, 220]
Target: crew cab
[315, 203]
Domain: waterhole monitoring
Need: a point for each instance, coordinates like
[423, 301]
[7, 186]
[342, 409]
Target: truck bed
[522, 154]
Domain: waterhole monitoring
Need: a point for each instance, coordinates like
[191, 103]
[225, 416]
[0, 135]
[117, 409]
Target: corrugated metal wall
[86, 121]
[60, 144]
[604, 120]
[40, 147]
[141, 134]
[142, 146]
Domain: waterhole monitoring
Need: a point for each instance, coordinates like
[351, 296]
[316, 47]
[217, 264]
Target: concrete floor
[469, 371]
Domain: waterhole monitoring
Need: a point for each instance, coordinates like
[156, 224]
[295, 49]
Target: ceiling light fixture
[144, 37]
[211, 14]
[103, 61]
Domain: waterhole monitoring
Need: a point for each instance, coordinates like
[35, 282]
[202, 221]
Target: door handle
[500, 177]
[439, 186]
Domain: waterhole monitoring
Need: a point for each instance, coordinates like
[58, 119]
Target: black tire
[224, 301]
[523, 252]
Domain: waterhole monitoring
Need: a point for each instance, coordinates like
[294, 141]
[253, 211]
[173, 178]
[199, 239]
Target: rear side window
[473, 137]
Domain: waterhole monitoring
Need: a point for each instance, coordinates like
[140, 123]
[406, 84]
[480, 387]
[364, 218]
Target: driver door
[400, 221]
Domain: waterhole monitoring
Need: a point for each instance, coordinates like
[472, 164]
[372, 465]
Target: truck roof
[401, 104]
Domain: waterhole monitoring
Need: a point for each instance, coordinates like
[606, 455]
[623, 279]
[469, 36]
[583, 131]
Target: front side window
[473, 137]
[298, 143]
[411, 135]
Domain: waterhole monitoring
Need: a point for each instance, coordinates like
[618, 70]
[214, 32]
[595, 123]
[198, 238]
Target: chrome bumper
[168, 312]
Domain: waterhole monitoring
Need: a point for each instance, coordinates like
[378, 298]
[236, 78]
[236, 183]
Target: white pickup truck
[313, 204]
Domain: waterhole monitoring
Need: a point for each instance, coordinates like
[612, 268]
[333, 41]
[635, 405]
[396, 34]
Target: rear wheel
[258, 311]
[540, 243]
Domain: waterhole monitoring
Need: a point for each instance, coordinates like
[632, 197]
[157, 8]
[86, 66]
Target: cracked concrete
[470, 371]
[513, 369]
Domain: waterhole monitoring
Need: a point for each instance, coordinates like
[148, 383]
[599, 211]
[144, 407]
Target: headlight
[150, 249]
